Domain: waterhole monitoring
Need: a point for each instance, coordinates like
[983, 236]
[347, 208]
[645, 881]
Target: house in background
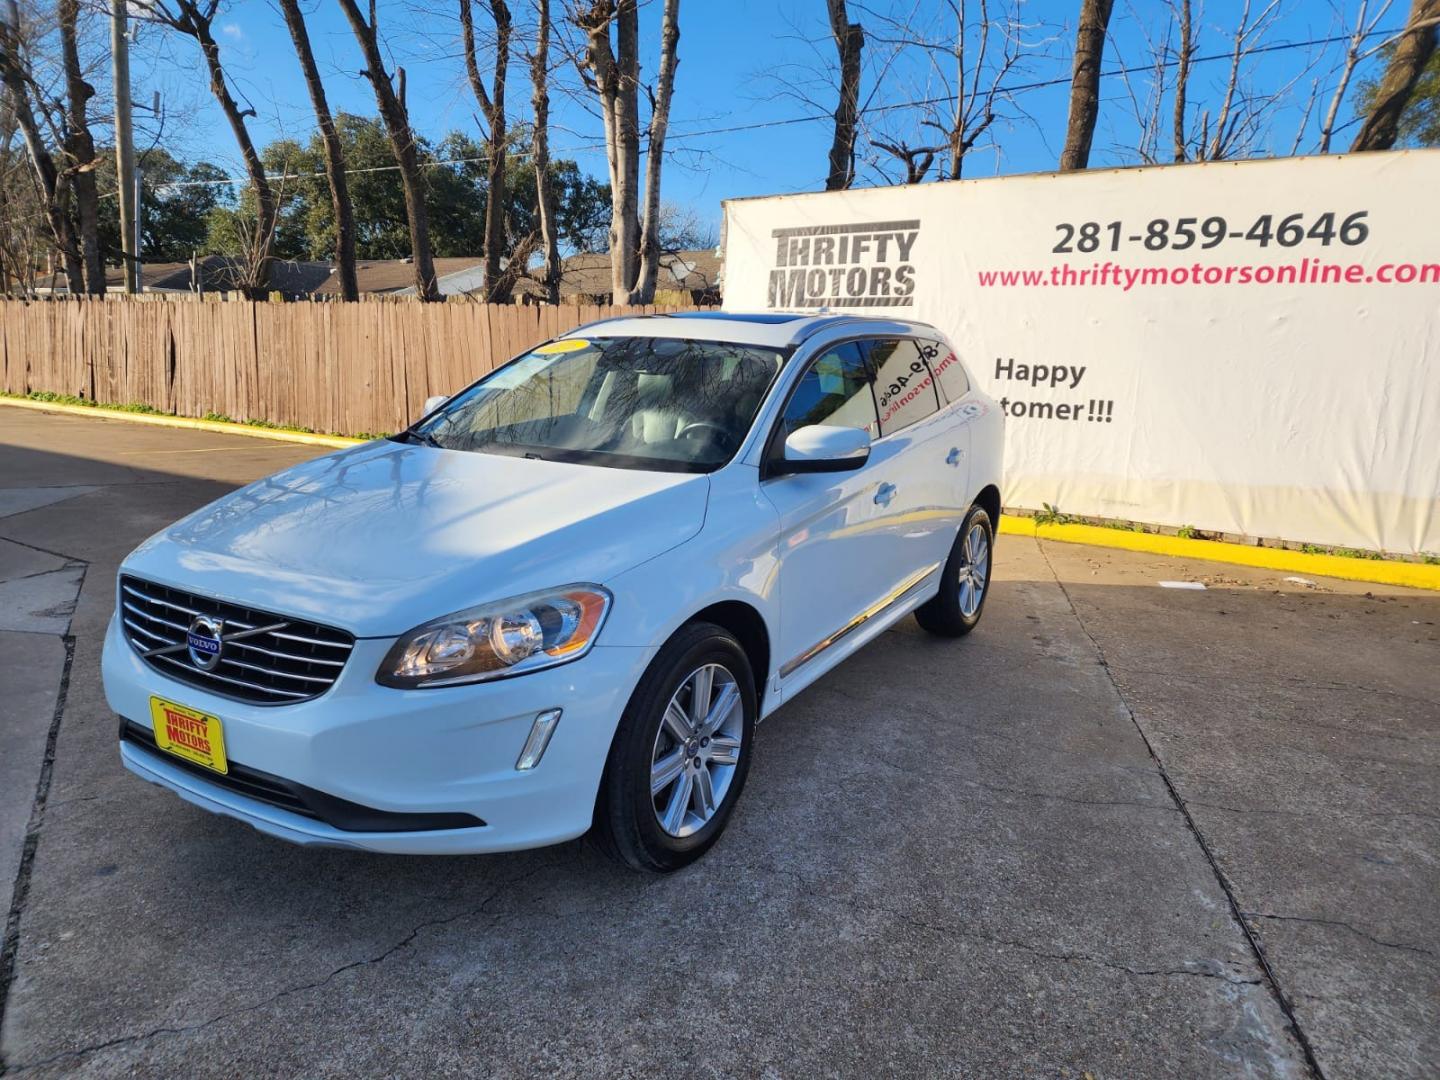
[685, 278]
[292, 279]
[221, 273]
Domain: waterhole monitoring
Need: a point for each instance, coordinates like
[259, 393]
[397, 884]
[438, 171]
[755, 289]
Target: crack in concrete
[1344, 925]
[1282, 997]
[20, 894]
[1290, 680]
[289, 991]
[1022, 793]
[1379, 814]
[812, 893]
[69, 559]
[73, 564]
[823, 689]
[1070, 798]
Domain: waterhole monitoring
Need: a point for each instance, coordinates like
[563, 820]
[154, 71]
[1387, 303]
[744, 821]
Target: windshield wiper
[419, 436]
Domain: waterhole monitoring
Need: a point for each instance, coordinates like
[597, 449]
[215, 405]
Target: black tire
[945, 614]
[627, 823]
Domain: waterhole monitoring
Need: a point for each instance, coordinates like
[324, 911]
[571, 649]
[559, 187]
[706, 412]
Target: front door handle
[953, 458]
[884, 493]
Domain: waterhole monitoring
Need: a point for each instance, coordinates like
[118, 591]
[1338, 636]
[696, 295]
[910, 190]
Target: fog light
[540, 732]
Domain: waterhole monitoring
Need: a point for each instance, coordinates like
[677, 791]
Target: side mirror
[433, 403]
[820, 448]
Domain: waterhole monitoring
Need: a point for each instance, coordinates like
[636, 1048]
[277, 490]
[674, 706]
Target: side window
[904, 387]
[947, 369]
[835, 390]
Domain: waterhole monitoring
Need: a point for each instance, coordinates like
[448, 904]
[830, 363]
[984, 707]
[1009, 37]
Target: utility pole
[129, 191]
[135, 223]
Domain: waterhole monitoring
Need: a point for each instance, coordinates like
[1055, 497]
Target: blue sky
[741, 64]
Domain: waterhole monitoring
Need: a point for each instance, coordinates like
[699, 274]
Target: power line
[790, 121]
[1042, 84]
[320, 174]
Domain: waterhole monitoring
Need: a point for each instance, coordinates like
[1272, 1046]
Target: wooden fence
[359, 368]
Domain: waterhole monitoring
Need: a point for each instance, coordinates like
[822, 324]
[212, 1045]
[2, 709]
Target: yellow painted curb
[1413, 575]
[218, 427]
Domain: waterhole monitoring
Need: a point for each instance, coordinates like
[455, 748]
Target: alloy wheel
[974, 570]
[696, 750]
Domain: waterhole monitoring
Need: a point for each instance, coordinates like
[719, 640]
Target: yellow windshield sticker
[563, 345]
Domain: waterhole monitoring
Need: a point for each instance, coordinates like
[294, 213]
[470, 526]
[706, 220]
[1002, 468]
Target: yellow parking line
[217, 427]
[1379, 571]
[196, 450]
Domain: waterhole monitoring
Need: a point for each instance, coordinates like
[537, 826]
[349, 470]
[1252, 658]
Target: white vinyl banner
[1247, 347]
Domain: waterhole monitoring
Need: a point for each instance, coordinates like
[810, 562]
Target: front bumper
[437, 752]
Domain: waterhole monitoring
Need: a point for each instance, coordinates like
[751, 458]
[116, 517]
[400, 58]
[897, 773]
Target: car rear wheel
[964, 582]
[681, 753]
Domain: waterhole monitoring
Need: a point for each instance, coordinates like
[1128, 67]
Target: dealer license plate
[190, 734]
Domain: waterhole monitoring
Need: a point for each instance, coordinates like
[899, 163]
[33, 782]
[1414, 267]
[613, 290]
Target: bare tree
[975, 106]
[612, 71]
[655, 160]
[1182, 77]
[80, 147]
[21, 218]
[1412, 52]
[1242, 113]
[1230, 118]
[334, 155]
[1085, 83]
[970, 52]
[849, 43]
[916, 159]
[540, 154]
[390, 96]
[1147, 104]
[1304, 125]
[1354, 54]
[53, 182]
[492, 107]
[194, 19]
[252, 248]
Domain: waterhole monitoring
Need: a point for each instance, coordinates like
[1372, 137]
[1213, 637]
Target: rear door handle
[884, 493]
[953, 458]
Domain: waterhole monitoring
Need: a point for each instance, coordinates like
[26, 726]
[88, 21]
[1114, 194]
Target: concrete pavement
[1121, 830]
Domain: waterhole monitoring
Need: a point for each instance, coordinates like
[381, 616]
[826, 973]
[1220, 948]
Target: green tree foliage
[455, 198]
[1420, 122]
[175, 202]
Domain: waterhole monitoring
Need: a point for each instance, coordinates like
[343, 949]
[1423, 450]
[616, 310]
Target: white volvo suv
[563, 598]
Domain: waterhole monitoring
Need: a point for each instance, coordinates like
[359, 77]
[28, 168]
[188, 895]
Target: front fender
[733, 557]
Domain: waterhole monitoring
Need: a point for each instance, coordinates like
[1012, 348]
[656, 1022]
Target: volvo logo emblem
[204, 642]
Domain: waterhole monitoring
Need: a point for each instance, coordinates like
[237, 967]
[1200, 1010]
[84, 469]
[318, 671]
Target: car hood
[385, 536]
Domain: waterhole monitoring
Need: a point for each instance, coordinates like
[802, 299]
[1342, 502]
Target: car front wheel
[681, 753]
[964, 582]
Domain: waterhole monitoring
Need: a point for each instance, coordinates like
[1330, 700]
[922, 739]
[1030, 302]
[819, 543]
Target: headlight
[491, 641]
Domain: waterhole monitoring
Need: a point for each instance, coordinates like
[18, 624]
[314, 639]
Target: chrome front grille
[264, 658]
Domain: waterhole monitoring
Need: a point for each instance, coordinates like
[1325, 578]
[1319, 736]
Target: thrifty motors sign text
[866, 264]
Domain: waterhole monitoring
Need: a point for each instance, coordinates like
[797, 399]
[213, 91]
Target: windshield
[626, 402]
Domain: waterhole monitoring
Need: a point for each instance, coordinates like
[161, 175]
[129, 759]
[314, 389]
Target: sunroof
[761, 317]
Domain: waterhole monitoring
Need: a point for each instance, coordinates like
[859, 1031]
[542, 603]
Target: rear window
[947, 369]
[904, 389]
